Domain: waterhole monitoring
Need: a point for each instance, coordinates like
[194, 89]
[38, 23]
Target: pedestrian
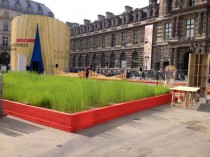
[140, 73]
[87, 70]
[143, 75]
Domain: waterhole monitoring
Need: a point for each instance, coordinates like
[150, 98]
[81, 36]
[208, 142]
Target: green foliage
[73, 94]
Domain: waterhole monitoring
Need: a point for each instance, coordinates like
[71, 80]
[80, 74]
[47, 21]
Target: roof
[35, 7]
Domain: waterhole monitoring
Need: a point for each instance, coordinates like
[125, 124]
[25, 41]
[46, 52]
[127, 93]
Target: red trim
[25, 40]
[81, 120]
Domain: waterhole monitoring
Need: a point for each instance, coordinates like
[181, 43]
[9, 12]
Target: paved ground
[159, 132]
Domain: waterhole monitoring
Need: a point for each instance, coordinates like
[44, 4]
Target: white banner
[148, 46]
[21, 62]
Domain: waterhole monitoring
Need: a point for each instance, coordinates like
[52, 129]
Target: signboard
[148, 46]
[21, 62]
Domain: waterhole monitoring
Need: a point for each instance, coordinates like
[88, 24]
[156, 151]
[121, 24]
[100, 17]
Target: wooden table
[183, 95]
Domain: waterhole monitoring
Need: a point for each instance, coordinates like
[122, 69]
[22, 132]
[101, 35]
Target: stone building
[114, 42]
[10, 9]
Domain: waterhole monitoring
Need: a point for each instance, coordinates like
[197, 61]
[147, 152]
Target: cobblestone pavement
[159, 132]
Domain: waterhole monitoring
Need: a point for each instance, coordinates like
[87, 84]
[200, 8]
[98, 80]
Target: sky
[78, 10]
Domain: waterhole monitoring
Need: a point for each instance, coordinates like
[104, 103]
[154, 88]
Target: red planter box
[81, 120]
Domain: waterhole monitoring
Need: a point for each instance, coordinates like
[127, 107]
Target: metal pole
[1, 97]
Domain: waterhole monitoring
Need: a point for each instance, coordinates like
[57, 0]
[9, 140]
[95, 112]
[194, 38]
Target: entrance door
[36, 66]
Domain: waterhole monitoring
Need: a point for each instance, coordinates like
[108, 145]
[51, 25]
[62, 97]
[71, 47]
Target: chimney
[101, 17]
[109, 15]
[128, 8]
[86, 22]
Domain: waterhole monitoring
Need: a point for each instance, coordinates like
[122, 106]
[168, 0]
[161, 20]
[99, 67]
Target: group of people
[88, 70]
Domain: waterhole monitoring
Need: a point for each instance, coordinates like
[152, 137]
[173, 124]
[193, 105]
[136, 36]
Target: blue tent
[36, 63]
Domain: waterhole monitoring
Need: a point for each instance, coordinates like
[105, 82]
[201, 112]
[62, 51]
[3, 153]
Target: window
[5, 41]
[30, 9]
[112, 61]
[74, 61]
[103, 41]
[94, 63]
[169, 6]
[50, 14]
[122, 58]
[81, 44]
[40, 11]
[6, 26]
[136, 36]
[190, 28]
[192, 2]
[96, 42]
[87, 60]
[18, 6]
[87, 44]
[123, 38]
[135, 60]
[167, 31]
[5, 3]
[113, 39]
[80, 61]
[103, 64]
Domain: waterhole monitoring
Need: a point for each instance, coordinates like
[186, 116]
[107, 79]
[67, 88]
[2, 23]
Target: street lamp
[146, 59]
[98, 63]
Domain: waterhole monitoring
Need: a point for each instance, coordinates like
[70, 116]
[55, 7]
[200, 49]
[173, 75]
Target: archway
[80, 61]
[87, 60]
[103, 62]
[134, 60]
[74, 61]
[112, 61]
[94, 62]
[4, 58]
[186, 61]
[122, 58]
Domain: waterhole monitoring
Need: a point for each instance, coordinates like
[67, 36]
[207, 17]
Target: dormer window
[104, 24]
[192, 2]
[5, 3]
[136, 17]
[90, 28]
[50, 14]
[17, 5]
[40, 11]
[98, 26]
[113, 22]
[123, 19]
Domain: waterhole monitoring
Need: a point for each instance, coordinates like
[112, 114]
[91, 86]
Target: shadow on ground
[129, 119]
[205, 107]
[14, 127]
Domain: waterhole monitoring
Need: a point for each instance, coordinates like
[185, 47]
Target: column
[204, 23]
[177, 27]
[199, 23]
[176, 57]
[172, 27]
[203, 50]
[171, 53]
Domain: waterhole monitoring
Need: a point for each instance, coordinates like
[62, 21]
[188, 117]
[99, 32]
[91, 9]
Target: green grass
[72, 94]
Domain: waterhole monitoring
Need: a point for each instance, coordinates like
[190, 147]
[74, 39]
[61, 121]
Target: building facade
[10, 9]
[114, 42]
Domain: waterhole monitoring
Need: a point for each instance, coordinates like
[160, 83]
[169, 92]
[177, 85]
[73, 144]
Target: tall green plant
[72, 94]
